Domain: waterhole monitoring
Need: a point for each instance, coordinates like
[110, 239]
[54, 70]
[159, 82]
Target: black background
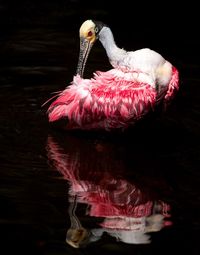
[39, 44]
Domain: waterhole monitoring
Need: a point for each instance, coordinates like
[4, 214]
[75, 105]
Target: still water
[79, 193]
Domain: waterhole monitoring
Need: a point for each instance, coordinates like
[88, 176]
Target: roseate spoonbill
[119, 97]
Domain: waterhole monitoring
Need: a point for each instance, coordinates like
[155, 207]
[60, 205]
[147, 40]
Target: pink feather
[108, 100]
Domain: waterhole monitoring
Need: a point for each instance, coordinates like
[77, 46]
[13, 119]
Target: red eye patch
[90, 33]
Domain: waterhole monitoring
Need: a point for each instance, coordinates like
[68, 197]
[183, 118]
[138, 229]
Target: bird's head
[77, 237]
[89, 33]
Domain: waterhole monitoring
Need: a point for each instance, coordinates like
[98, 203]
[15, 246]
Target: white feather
[144, 60]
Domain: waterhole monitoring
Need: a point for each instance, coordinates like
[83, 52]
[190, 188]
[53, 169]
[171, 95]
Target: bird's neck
[114, 53]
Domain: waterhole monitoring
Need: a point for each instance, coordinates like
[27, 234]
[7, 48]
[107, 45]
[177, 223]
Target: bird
[116, 99]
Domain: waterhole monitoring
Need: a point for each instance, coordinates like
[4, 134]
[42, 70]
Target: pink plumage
[110, 100]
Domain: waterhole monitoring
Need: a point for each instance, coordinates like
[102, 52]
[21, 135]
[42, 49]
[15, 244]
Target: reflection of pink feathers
[112, 99]
[123, 210]
[107, 195]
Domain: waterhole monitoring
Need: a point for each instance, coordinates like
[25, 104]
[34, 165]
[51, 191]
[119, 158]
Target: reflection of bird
[117, 98]
[101, 196]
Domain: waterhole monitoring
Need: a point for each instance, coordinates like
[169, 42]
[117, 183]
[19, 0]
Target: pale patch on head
[87, 30]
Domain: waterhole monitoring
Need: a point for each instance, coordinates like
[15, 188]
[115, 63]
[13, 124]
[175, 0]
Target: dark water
[130, 193]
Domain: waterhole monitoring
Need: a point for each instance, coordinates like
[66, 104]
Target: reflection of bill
[126, 211]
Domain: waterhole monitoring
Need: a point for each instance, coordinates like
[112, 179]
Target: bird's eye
[96, 30]
[90, 33]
